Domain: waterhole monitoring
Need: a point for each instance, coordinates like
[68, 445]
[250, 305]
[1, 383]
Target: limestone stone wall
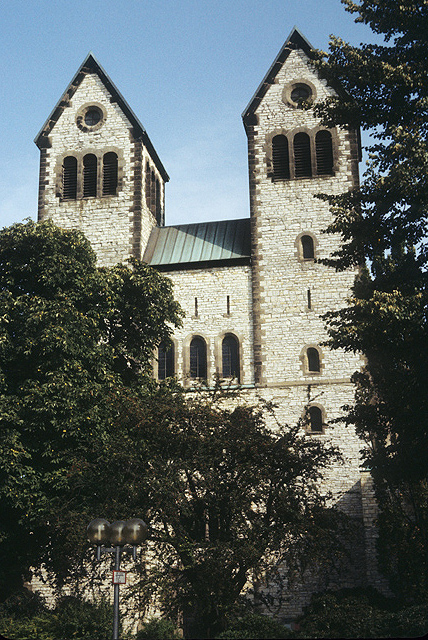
[282, 212]
[216, 301]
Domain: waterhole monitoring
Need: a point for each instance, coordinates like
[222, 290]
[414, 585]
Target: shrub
[76, 618]
[71, 618]
[358, 613]
[158, 629]
[253, 625]
[411, 622]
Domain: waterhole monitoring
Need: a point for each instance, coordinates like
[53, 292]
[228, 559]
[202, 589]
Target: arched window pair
[109, 169]
[301, 154]
[198, 359]
[153, 194]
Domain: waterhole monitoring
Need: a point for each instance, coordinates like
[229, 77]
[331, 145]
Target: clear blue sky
[187, 69]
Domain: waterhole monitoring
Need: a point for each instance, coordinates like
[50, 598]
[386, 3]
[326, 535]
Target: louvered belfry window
[69, 178]
[110, 174]
[230, 357]
[302, 156]
[198, 358]
[158, 202]
[280, 158]
[324, 153]
[89, 175]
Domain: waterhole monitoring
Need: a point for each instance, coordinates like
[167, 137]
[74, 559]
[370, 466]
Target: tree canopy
[226, 499]
[73, 339]
[384, 89]
[87, 432]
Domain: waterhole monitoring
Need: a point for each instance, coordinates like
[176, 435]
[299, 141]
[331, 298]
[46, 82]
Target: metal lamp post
[132, 532]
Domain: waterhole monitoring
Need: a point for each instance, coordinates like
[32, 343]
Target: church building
[253, 290]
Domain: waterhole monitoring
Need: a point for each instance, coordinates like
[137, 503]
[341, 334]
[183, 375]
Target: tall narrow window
[69, 178]
[302, 156]
[324, 153]
[198, 358]
[313, 360]
[153, 193]
[230, 357]
[280, 159]
[308, 249]
[109, 174]
[148, 184]
[165, 361]
[315, 419]
[89, 175]
[158, 202]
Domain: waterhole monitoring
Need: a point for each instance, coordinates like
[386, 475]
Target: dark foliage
[361, 613]
[383, 224]
[74, 338]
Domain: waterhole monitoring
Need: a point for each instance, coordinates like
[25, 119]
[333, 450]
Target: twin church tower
[252, 289]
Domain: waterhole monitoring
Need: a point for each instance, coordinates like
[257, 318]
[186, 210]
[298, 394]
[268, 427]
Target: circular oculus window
[296, 93]
[90, 117]
[301, 93]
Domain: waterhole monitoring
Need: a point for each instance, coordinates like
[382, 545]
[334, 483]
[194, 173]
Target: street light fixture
[132, 532]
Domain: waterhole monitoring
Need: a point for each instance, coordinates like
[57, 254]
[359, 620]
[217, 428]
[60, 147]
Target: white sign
[119, 577]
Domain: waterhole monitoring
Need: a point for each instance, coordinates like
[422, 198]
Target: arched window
[308, 249]
[230, 357]
[148, 183]
[158, 202]
[166, 367]
[313, 360]
[315, 419]
[280, 159]
[69, 178]
[153, 193]
[109, 174]
[198, 358]
[89, 175]
[302, 156]
[324, 153]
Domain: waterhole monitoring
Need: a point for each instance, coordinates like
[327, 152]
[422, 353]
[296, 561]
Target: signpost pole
[116, 596]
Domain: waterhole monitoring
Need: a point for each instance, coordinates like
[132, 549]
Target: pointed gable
[294, 41]
[90, 65]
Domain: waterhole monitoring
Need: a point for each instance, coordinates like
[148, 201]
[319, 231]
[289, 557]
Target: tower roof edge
[295, 40]
[91, 65]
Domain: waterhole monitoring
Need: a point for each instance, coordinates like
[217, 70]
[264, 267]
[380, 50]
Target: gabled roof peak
[91, 65]
[296, 40]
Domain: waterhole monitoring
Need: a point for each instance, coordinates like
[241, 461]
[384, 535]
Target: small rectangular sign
[119, 577]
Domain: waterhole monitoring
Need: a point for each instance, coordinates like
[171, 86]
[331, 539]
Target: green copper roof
[204, 242]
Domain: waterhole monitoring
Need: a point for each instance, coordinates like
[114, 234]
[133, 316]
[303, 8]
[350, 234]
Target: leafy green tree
[383, 224]
[224, 496]
[87, 432]
[73, 339]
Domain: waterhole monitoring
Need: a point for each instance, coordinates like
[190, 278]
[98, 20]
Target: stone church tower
[99, 171]
[253, 290]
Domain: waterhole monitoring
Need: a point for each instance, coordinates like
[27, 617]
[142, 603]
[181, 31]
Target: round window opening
[301, 93]
[92, 117]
